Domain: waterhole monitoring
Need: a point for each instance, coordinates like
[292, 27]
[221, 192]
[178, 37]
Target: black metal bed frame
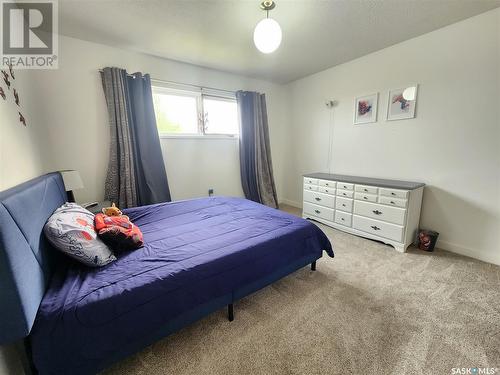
[230, 307]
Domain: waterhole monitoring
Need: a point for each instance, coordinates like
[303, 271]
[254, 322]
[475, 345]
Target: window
[176, 113]
[190, 112]
[221, 115]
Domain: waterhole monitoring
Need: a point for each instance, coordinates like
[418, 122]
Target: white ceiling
[317, 34]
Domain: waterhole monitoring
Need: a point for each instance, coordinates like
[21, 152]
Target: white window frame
[199, 94]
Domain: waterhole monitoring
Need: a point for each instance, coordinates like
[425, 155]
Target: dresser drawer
[395, 193]
[310, 187]
[378, 228]
[319, 198]
[365, 197]
[377, 211]
[343, 204]
[345, 193]
[343, 218]
[310, 181]
[345, 186]
[318, 211]
[366, 189]
[396, 202]
[327, 183]
[326, 190]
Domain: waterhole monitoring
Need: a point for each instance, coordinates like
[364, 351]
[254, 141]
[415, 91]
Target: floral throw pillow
[71, 230]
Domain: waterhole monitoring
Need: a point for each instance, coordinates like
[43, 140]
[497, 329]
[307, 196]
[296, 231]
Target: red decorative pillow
[118, 232]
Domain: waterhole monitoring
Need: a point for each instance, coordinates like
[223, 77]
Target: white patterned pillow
[70, 229]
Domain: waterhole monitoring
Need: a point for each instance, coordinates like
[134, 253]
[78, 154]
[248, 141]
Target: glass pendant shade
[267, 35]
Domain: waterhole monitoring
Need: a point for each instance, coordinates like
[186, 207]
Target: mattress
[195, 251]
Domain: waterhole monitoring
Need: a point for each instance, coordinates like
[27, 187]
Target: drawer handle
[365, 197]
[327, 184]
[377, 212]
[342, 219]
[374, 227]
[345, 187]
[365, 190]
[392, 202]
[393, 193]
[343, 204]
[326, 190]
[318, 198]
[344, 194]
[317, 211]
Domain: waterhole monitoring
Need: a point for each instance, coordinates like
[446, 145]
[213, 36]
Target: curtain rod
[183, 84]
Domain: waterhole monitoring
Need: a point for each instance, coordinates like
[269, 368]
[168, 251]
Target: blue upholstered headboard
[26, 258]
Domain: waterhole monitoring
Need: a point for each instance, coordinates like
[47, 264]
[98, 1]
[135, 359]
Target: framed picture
[401, 103]
[365, 109]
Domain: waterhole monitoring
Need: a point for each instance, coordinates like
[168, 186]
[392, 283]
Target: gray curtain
[256, 167]
[136, 172]
[151, 176]
[120, 185]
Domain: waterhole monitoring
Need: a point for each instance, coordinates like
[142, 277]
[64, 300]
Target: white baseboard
[290, 203]
[481, 255]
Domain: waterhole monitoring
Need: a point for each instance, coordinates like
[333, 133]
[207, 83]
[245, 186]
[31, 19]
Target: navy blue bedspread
[194, 251]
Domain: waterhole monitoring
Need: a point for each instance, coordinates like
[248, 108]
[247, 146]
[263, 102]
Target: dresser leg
[313, 266]
[400, 248]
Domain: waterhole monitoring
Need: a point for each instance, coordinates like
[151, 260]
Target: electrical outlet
[210, 192]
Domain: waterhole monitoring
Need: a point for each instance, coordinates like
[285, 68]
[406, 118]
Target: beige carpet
[370, 310]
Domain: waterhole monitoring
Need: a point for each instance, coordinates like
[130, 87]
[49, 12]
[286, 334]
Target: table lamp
[72, 181]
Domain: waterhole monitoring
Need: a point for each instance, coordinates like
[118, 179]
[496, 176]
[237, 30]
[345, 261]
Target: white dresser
[384, 210]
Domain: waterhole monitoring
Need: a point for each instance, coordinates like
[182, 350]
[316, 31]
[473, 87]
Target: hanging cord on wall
[330, 104]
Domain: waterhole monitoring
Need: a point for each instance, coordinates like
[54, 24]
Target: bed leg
[230, 312]
[313, 266]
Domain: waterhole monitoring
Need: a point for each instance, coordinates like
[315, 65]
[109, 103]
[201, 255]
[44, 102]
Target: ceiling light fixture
[267, 34]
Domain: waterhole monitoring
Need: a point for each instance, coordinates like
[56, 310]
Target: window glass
[221, 116]
[176, 114]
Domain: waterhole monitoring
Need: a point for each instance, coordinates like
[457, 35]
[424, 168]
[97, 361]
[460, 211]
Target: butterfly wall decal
[11, 70]
[16, 97]
[22, 119]
[2, 93]
[6, 78]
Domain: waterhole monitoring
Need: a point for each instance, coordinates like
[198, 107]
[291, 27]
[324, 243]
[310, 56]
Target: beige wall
[74, 115]
[453, 145]
[20, 157]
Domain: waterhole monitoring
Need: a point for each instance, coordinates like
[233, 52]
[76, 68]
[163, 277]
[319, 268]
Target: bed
[199, 256]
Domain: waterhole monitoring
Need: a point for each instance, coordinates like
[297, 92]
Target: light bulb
[267, 35]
